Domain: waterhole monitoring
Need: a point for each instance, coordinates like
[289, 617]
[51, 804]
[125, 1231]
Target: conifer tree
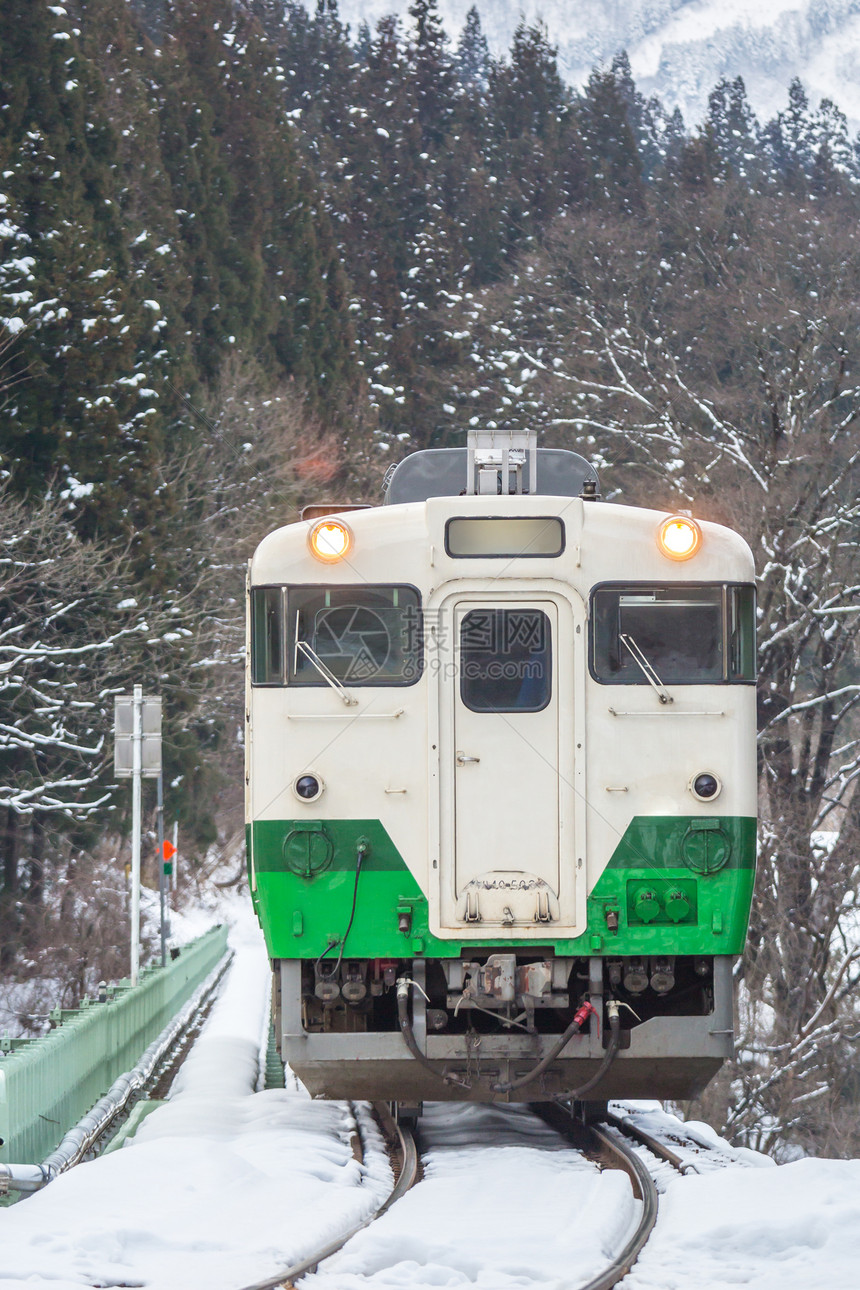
[789, 139]
[653, 130]
[610, 145]
[528, 96]
[432, 73]
[535, 142]
[835, 169]
[473, 53]
[83, 419]
[363, 42]
[732, 129]
[262, 266]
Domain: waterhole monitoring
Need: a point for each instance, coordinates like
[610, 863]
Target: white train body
[506, 813]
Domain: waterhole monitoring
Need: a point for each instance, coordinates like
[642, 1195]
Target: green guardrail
[48, 1084]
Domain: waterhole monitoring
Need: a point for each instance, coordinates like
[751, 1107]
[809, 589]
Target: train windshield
[367, 635]
[680, 634]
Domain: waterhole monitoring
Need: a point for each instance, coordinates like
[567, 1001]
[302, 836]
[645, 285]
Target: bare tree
[258, 456]
[74, 631]
[68, 623]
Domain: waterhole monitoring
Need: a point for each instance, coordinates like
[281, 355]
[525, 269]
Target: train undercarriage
[497, 1025]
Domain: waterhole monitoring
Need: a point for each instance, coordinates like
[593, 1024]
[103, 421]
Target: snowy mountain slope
[679, 49]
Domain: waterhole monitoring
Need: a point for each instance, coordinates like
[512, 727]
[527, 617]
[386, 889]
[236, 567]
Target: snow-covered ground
[226, 1183]
[796, 1227]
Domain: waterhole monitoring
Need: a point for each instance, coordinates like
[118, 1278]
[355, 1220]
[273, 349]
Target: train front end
[501, 785]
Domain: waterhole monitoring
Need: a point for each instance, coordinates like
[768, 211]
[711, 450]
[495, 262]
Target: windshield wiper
[648, 671]
[315, 661]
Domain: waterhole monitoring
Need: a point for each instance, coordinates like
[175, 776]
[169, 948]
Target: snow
[76, 489]
[789, 1228]
[491, 1212]
[221, 1186]
[225, 1184]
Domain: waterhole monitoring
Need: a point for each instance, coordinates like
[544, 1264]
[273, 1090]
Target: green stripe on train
[674, 885]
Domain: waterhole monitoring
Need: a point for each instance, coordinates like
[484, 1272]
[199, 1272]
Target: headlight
[679, 537]
[330, 540]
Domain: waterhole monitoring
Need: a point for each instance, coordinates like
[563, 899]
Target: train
[501, 784]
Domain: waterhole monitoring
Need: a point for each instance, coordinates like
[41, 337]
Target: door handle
[462, 758]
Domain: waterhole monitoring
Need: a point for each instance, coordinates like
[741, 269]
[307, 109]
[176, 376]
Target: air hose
[575, 1094]
[408, 1034]
[583, 1012]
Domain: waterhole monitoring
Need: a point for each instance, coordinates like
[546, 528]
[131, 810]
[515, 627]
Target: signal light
[308, 787]
[705, 786]
[679, 537]
[330, 540]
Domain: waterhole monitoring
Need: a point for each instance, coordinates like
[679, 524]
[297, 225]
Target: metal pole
[137, 763]
[162, 881]
[175, 853]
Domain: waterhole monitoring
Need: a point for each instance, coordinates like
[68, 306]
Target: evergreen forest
[249, 258]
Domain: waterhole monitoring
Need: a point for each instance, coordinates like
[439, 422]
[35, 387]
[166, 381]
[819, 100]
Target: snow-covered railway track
[403, 1156]
[646, 1190]
[612, 1152]
[661, 1149]
[505, 1188]
[688, 1153]
[687, 1148]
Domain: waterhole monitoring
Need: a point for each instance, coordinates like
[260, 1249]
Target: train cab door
[503, 754]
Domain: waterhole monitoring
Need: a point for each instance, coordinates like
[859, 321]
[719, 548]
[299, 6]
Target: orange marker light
[330, 540]
[679, 538]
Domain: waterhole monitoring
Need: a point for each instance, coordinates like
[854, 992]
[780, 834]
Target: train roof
[444, 472]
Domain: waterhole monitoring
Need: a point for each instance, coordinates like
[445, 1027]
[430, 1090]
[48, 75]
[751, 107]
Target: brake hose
[408, 1034]
[575, 1094]
[583, 1012]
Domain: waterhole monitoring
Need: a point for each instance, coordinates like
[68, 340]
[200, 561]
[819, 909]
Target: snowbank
[796, 1227]
[220, 1187]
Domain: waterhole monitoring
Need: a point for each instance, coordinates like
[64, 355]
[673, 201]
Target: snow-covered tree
[74, 631]
[732, 130]
[473, 53]
[710, 359]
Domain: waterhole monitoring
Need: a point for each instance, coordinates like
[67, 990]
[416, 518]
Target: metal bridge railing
[48, 1084]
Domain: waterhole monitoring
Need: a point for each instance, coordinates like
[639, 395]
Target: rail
[647, 1188]
[618, 1155]
[406, 1174]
